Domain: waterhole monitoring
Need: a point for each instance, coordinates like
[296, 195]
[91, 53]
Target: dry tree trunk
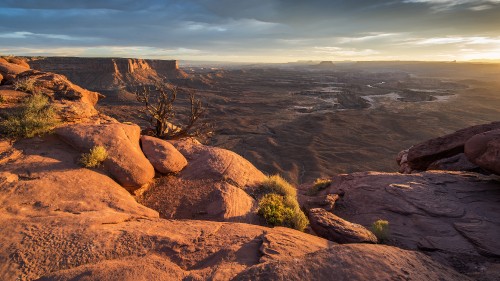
[160, 112]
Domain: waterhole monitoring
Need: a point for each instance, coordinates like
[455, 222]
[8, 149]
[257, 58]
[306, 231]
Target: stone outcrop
[101, 74]
[484, 150]
[419, 157]
[74, 102]
[424, 210]
[126, 162]
[164, 157]
[9, 69]
[333, 228]
[213, 163]
[59, 221]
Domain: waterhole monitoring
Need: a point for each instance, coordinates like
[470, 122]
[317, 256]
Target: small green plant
[95, 157]
[26, 85]
[277, 184]
[381, 229]
[278, 204]
[36, 116]
[319, 184]
[277, 212]
[2, 99]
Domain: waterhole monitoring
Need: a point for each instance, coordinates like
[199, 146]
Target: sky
[268, 31]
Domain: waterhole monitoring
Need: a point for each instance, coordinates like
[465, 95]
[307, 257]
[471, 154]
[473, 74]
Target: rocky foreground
[158, 210]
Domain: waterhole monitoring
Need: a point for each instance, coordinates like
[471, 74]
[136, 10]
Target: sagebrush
[36, 116]
[95, 157]
[278, 204]
[381, 229]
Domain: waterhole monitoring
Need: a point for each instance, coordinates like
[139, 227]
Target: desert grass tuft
[95, 157]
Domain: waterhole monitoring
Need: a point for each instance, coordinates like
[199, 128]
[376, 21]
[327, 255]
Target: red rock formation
[109, 73]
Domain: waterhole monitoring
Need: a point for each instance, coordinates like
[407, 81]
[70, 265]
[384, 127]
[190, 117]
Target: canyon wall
[104, 74]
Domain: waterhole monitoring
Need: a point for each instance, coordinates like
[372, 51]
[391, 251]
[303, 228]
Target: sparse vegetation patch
[26, 85]
[381, 229]
[95, 157]
[278, 204]
[319, 184]
[36, 116]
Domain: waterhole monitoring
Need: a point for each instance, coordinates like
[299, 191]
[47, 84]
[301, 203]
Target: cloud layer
[257, 30]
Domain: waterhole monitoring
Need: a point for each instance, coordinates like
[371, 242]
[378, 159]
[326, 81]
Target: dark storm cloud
[248, 29]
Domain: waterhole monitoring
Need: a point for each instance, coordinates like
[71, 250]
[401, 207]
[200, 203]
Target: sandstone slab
[354, 262]
[453, 216]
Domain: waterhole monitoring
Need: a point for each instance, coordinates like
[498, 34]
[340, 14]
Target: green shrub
[277, 184]
[381, 229]
[278, 204]
[95, 157]
[319, 184]
[277, 213]
[26, 85]
[36, 116]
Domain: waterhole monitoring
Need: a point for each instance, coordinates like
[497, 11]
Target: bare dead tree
[160, 112]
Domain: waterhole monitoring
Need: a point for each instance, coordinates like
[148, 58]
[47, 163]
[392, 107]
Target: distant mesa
[102, 74]
[326, 64]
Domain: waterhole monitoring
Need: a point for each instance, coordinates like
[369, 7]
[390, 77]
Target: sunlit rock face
[101, 74]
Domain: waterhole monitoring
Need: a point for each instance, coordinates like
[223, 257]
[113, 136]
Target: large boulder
[420, 156]
[163, 155]
[333, 228]
[126, 163]
[213, 163]
[484, 150]
[177, 198]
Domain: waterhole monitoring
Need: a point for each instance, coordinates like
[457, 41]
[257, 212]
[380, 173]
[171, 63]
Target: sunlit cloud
[371, 36]
[344, 52]
[444, 5]
[27, 35]
[104, 51]
[457, 40]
